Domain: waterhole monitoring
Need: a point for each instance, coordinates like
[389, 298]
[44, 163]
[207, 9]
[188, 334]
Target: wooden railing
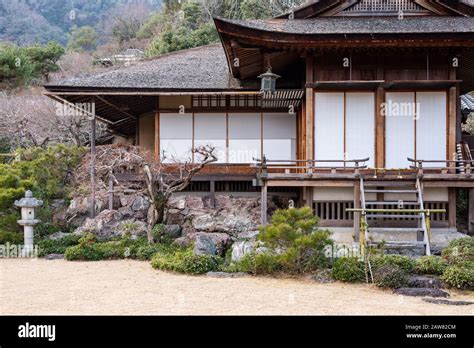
[462, 167]
[310, 166]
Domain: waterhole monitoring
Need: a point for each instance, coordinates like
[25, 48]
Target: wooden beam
[115, 107]
[471, 212]
[452, 199]
[157, 149]
[309, 124]
[263, 204]
[452, 115]
[212, 188]
[357, 205]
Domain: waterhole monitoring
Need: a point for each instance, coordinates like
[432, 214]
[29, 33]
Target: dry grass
[134, 288]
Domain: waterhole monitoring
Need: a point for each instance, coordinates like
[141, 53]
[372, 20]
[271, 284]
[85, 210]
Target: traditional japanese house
[366, 112]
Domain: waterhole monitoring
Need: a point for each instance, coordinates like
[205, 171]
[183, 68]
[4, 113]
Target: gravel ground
[134, 288]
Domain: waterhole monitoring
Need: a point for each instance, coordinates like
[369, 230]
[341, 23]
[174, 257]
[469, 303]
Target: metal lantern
[268, 80]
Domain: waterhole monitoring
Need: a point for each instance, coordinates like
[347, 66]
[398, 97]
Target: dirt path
[131, 287]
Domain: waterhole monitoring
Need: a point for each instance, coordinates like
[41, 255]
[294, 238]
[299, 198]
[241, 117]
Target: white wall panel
[360, 126]
[399, 129]
[279, 136]
[431, 127]
[211, 129]
[244, 137]
[329, 126]
[176, 132]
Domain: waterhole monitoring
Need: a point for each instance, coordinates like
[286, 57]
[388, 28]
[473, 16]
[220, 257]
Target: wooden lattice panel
[385, 6]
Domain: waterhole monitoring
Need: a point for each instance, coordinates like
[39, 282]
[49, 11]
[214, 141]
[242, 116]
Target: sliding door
[279, 136]
[211, 129]
[415, 127]
[431, 127]
[344, 126]
[176, 137]
[399, 129]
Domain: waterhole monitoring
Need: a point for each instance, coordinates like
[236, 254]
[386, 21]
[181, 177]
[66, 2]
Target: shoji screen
[211, 129]
[399, 129]
[244, 137]
[431, 127]
[176, 134]
[360, 126]
[279, 136]
[329, 126]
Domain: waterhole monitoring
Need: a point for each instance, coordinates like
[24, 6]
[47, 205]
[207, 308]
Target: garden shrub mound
[431, 265]
[349, 269]
[459, 251]
[11, 237]
[389, 276]
[57, 246]
[185, 261]
[89, 249]
[460, 270]
[293, 244]
[406, 263]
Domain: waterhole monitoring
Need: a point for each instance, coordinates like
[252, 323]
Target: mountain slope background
[27, 22]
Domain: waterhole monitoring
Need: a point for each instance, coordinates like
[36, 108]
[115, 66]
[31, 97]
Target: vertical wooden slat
[452, 123]
[309, 124]
[452, 207]
[471, 212]
[379, 129]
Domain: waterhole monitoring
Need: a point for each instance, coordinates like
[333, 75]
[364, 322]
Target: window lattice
[385, 6]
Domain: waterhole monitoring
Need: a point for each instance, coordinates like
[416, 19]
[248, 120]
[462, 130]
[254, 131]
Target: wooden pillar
[263, 203]
[452, 115]
[471, 212]
[157, 130]
[452, 197]
[111, 194]
[212, 184]
[357, 205]
[309, 197]
[379, 129]
[309, 104]
[93, 159]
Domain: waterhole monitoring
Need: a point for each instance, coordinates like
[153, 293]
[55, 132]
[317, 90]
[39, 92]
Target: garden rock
[58, 235]
[204, 245]
[226, 275]
[422, 292]
[448, 302]
[54, 257]
[111, 223]
[140, 203]
[240, 249]
[173, 231]
[418, 281]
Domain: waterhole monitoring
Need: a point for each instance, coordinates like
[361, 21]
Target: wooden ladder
[423, 234]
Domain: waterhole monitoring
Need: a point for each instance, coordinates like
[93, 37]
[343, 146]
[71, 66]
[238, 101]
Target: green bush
[185, 261]
[406, 263]
[461, 277]
[294, 242]
[459, 251]
[11, 237]
[431, 265]
[258, 263]
[388, 276]
[9, 222]
[348, 269]
[58, 246]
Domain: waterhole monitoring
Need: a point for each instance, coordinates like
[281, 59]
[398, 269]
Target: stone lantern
[28, 221]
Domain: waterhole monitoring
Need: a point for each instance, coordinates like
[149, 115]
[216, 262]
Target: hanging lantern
[268, 80]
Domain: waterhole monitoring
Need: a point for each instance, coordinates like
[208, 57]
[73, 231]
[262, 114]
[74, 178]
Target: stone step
[421, 292]
[420, 281]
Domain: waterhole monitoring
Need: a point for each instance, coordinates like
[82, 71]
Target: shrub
[388, 276]
[459, 251]
[58, 246]
[258, 263]
[406, 263]
[9, 223]
[185, 261]
[348, 269]
[11, 237]
[296, 246]
[431, 265]
[461, 277]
